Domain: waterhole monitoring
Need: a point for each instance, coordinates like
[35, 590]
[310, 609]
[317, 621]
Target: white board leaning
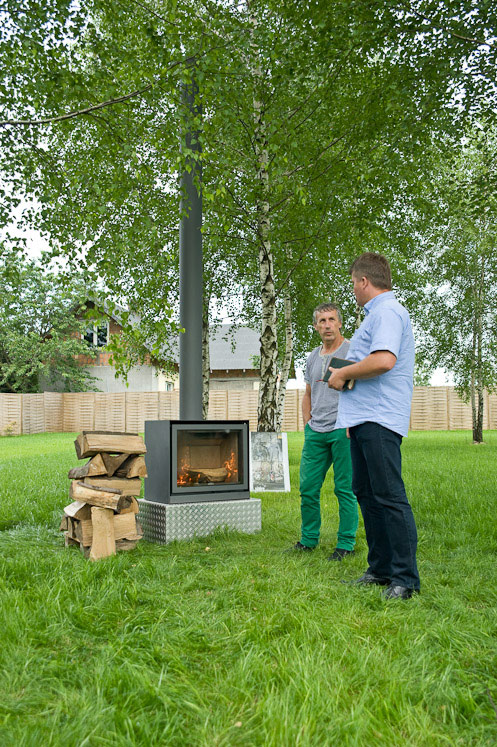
[269, 472]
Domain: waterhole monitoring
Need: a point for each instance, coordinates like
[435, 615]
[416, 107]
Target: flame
[231, 467]
[183, 477]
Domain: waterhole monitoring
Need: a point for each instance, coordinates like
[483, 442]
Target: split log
[112, 463]
[95, 466]
[123, 544]
[78, 510]
[126, 544]
[207, 474]
[103, 543]
[71, 528]
[124, 527]
[132, 509]
[63, 524]
[97, 497]
[89, 443]
[125, 487]
[68, 541]
[84, 532]
[134, 466]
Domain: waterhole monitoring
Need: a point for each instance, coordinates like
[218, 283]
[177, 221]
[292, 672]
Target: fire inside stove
[208, 458]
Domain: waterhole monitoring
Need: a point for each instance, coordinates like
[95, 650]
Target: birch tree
[460, 265]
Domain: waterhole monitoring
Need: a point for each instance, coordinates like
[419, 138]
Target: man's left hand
[337, 379]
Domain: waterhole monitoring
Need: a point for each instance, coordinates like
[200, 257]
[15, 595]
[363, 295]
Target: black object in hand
[339, 363]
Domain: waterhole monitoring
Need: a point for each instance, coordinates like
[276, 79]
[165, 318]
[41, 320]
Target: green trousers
[320, 451]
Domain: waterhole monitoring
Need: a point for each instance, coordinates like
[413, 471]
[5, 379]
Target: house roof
[233, 348]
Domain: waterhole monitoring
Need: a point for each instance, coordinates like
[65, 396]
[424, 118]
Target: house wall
[102, 358]
[144, 379]
[234, 385]
[140, 379]
[235, 380]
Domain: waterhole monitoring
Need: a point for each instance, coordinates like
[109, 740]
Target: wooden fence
[433, 408]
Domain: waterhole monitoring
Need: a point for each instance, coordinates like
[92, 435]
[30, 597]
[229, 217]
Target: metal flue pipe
[191, 269]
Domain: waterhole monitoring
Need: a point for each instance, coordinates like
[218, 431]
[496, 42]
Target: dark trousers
[388, 518]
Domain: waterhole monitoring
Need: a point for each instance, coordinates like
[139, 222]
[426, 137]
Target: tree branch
[305, 248]
[148, 9]
[328, 81]
[440, 27]
[89, 109]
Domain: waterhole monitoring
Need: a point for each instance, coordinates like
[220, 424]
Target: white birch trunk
[269, 342]
[287, 361]
[268, 339]
[206, 362]
[472, 385]
[478, 424]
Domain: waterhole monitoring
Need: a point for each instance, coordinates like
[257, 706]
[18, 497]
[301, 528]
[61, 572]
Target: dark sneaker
[340, 554]
[395, 591]
[369, 578]
[299, 547]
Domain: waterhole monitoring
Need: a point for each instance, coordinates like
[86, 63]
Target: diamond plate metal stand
[166, 522]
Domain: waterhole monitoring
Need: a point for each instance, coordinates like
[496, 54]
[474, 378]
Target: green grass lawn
[242, 644]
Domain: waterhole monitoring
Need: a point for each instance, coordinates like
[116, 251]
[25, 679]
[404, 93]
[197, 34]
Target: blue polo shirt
[384, 399]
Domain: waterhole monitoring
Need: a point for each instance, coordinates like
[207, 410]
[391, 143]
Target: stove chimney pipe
[191, 267]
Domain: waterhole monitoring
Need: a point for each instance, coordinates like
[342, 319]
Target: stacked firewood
[102, 517]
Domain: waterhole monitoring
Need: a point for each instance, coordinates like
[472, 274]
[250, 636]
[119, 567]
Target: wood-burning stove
[197, 461]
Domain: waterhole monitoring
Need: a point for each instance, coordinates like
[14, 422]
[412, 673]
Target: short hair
[374, 267]
[326, 307]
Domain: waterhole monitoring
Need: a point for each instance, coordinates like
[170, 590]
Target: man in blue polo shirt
[376, 411]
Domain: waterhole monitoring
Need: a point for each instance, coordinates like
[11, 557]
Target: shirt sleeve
[387, 331]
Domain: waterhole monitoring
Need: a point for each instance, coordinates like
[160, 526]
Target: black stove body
[196, 461]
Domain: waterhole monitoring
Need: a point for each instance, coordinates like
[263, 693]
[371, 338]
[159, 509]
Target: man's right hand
[337, 379]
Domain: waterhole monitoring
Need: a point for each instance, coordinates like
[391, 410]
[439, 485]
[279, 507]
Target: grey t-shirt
[324, 401]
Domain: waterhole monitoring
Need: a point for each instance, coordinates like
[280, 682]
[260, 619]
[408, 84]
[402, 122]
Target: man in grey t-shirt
[324, 445]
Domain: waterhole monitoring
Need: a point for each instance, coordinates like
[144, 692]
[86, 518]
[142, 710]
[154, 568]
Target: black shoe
[299, 547]
[369, 578]
[395, 591]
[340, 554]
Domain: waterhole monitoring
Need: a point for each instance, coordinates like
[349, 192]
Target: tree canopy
[315, 116]
[41, 327]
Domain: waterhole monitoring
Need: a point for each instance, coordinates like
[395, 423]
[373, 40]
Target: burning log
[207, 474]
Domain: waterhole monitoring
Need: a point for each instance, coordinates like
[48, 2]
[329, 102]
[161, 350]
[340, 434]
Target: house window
[102, 335]
[97, 335]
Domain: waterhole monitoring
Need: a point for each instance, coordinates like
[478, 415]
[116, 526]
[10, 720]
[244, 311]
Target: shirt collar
[378, 299]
